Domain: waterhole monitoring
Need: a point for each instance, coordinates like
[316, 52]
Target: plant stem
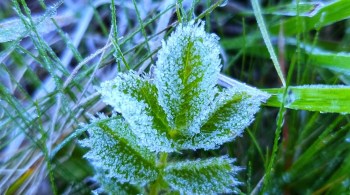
[163, 160]
[155, 186]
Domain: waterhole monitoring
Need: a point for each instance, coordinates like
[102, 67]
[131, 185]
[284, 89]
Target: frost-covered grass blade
[14, 29]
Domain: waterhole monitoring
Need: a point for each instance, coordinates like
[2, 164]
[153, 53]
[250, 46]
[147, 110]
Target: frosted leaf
[211, 176]
[112, 186]
[115, 150]
[231, 112]
[186, 73]
[135, 98]
[180, 109]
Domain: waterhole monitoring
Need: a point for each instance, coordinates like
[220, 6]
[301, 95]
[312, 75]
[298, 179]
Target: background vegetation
[53, 53]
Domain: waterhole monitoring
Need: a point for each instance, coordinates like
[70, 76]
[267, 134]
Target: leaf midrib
[125, 142]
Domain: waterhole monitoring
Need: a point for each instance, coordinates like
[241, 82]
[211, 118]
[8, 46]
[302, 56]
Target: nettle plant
[179, 108]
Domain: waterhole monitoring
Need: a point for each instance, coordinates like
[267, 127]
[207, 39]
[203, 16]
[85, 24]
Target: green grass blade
[322, 98]
[329, 14]
[263, 29]
[338, 62]
[14, 29]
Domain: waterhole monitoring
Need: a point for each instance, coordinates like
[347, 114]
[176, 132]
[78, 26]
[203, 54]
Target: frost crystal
[115, 151]
[186, 73]
[182, 108]
[202, 176]
[134, 99]
[231, 112]
[113, 186]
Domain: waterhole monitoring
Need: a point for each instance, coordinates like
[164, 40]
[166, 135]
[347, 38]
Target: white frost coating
[232, 111]
[122, 93]
[190, 113]
[112, 186]
[115, 156]
[189, 57]
[208, 176]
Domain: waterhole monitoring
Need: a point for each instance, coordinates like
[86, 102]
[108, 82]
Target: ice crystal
[113, 186]
[186, 73]
[202, 176]
[114, 149]
[180, 108]
[231, 112]
[134, 97]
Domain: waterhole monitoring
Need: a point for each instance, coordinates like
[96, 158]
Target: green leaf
[135, 98]
[232, 111]
[186, 73]
[322, 98]
[214, 175]
[115, 150]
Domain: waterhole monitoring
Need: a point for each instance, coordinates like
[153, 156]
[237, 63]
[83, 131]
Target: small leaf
[214, 175]
[232, 111]
[115, 150]
[135, 98]
[186, 74]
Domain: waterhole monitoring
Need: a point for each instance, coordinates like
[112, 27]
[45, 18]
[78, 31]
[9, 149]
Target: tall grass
[53, 54]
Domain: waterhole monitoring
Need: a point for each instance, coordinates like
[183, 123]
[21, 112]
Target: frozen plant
[180, 108]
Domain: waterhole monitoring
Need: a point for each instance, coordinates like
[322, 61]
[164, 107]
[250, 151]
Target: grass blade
[265, 35]
[322, 98]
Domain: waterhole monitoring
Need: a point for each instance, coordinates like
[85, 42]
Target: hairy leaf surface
[113, 186]
[214, 175]
[231, 112]
[135, 98]
[115, 150]
[186, 74]
[181, 108]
